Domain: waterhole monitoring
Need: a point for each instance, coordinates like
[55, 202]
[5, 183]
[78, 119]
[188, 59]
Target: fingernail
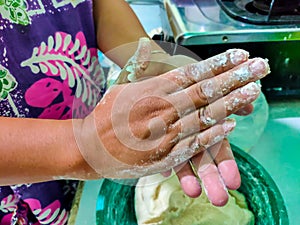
[191, 186]
[251, 89]
[228, 125]
[237, 56]
[166, 173]
[259, 67]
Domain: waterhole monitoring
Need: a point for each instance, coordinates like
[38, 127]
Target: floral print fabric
[48, 69]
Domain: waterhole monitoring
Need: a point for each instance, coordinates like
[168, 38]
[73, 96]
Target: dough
[160, 200]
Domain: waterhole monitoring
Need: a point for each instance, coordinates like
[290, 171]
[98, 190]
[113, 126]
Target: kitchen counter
[278, 151]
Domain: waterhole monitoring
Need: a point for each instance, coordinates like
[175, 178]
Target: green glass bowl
[115, 204]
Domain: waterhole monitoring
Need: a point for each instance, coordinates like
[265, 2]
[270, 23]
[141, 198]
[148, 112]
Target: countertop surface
[277, 149]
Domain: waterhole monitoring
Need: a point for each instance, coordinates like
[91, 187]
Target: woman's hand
[146, 63]
[159, 123]
[223, 170]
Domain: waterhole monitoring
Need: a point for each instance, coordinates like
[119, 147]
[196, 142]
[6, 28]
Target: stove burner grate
[279, 7]
[258, 11]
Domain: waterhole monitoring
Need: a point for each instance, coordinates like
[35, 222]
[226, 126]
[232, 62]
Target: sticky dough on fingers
[208, 91]
[196, 72]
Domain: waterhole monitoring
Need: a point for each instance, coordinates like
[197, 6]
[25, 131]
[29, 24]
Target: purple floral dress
[48, 69]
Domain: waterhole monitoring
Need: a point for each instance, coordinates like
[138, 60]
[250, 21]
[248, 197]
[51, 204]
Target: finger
[212, 182]
[207, 116]
[166, 173]
[137, 63]
[176, 61]
[210, 90]
[226, 164]
[162, 63]
[195, 72]
[157, 161]
[190, 184]
[245, 110]
[193, 144]
[228, 105]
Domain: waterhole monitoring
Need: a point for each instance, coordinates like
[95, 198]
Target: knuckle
[207, 88]
[206, 117]
[211, 136]
[194, 72]
[241, 97]
[211, 89]
[199, 94]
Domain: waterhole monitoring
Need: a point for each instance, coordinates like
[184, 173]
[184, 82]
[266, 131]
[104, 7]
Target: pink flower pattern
[70, 67]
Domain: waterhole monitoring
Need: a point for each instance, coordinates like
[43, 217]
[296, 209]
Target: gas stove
[265, 28]
[262, 12]
[232, 21]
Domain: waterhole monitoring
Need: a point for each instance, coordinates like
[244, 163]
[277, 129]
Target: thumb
[176, 61]
[138, 63]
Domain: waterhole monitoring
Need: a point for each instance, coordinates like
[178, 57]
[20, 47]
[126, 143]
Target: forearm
[116, 26]
[34, 150]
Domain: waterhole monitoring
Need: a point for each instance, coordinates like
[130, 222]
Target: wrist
[83, 138]
[70, 162]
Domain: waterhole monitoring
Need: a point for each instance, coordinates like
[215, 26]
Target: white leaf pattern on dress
[72, 61]
[9, 204]
[61, 3]
[52, 214]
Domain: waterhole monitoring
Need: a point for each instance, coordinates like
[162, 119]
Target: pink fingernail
[191, 186]
[166, 173]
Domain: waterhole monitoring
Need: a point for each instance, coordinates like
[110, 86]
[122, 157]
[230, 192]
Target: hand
[146, 63]
[153, 125]
[216, 171]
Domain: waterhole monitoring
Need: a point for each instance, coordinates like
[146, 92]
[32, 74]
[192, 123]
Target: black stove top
[282, 7]
[262, 12]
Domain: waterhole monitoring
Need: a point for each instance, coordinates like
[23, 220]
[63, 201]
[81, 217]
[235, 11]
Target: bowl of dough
[155, 200]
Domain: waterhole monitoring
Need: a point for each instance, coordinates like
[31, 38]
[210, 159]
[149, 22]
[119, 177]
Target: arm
[116, 26]
[38, 150]
[34, 150]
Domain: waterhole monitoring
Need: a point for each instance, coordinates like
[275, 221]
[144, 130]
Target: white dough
[160, 200]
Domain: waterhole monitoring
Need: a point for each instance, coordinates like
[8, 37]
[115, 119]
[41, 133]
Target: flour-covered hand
[160, 123]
